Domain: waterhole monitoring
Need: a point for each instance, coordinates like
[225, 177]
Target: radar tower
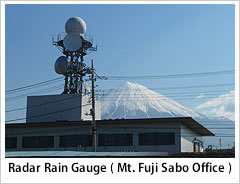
[74, 44]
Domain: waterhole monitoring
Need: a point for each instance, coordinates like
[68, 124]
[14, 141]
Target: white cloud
[220, 106]
[200, 96]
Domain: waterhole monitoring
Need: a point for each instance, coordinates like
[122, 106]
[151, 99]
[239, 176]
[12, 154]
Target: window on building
[38, 142]
[158, 138]
[115, 140]
[75, 140]
[10, 142]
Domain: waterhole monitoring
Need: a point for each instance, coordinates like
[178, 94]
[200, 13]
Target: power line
[22, 108]
[186, 87]
[195, 86]
[154, 96]
[159, 76]
[71, 109]
[165, 88]
[109, 97]
[29, 107]
[46, 113]
[186, 75]
[128, 77]
[33, 85]
[50, 89]
[189, 92]
[164, 98]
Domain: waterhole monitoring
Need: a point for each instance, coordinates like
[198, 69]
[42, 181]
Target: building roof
[187, 121]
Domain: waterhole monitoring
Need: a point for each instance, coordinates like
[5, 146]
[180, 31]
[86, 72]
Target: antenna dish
[72, 42]
[61, 65]
[75, 24]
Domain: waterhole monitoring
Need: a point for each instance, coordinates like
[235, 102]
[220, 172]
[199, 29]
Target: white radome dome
[61, 65]
[72, 41]
[75, 24]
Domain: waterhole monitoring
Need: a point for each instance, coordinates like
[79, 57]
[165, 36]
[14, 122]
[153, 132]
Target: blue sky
[132, 40]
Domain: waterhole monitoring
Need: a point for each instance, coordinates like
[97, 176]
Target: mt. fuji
[132, 101]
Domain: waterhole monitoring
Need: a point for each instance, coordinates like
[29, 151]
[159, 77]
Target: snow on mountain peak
[132, 100]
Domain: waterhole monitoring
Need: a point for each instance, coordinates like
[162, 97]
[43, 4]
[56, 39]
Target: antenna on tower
[74, 44]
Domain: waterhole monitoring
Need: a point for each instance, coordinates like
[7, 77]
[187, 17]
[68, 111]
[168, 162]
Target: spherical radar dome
[75, 24]
[61, 65]
[72, 41]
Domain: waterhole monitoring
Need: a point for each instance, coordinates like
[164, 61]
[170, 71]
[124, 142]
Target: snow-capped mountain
[132, 100]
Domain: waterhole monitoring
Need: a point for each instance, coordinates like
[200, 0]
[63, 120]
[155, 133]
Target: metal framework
[77, 68]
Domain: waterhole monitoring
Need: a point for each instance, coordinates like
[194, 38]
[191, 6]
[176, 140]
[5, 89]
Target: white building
[140, 135]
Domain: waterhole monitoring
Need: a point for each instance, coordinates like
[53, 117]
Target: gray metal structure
[74, 45]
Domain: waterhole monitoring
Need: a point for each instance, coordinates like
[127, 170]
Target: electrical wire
[29, 107]
[166, 88]
[33, 86]
[186, 75]
[185, 87]
[79, 107]
[189, 92]
[46, 113]
[50, 89]
[153, 96]
[165, 98]
[127, 77]
[123, 78]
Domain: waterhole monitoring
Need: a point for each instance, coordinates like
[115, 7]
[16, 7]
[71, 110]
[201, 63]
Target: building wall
[188, 136]
[64, 107]
[175, 128]
[113, 129]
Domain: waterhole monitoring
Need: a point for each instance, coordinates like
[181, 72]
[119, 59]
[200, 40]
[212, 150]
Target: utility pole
[94, 127]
